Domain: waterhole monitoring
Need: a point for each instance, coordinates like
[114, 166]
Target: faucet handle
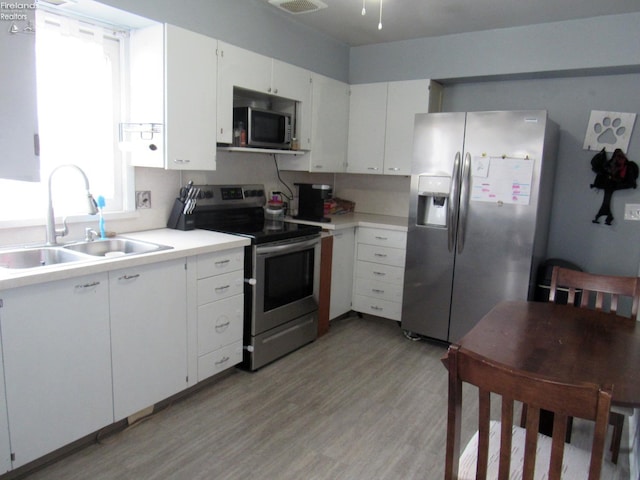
[90, 234]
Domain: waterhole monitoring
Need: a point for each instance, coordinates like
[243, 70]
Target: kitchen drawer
[221, 286]
[219, 360]
[378, 271]
[377, 289]
[384, 238]
[383, 255]
[215, 263]
[376, 306]
[220, 323]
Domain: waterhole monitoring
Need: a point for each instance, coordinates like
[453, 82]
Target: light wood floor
[362, 402]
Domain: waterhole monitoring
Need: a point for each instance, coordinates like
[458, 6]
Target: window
[78, 70]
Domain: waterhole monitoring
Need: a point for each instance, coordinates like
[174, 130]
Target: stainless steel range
[281, 271]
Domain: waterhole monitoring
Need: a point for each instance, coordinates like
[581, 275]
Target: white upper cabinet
[329, 129]
[18, 118]
[173, 99]
[330, 125]
[404, 100]
[367, 124]
[381, 119]
[267, 77]
[190, 99]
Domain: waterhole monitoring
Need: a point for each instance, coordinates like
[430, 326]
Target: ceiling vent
[298, 6]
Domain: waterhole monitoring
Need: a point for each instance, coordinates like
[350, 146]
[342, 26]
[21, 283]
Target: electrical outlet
[143, 199]
[632, 211]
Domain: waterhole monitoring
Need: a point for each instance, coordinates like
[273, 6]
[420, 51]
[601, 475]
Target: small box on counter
[338, 206]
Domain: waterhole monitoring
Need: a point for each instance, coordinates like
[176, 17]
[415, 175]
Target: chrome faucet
[52, 232]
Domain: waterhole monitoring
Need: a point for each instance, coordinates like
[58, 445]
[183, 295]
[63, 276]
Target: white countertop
[350, 220]
[184, 244]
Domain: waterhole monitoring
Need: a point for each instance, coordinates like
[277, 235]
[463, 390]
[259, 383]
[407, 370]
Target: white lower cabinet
[148, 334]
[379, 272]
[342, 272]
[57, 364]
[220, 300]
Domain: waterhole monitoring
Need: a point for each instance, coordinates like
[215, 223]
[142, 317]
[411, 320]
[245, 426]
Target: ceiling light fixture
[364, 12]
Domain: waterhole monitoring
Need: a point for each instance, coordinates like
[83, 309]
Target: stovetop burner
[239, 209]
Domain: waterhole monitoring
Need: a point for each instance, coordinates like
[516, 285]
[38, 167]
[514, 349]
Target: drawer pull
[222, 262]
[222, 288]
[128, 277]
[377, 290]
[381, 255]
[380, 274]
[382, 238]
[376, 308]
[87, 285]
[222, 327]
[223, 360]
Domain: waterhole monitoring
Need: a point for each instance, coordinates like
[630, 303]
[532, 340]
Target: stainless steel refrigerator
[481, 189]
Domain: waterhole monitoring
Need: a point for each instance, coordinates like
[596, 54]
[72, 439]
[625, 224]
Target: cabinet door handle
[382, 238]
[222, 262]
[376, 308]
[181, 160]
[380, 274]
[372, 168]
[128, 277]
[394, 169]
[377, 290]
[86, 286]
[318, 166]
[222, 288]
[381, 255]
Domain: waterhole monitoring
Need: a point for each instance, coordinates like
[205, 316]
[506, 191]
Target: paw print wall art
[609, 130]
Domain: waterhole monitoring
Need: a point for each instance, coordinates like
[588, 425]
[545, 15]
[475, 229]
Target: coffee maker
[311, 198]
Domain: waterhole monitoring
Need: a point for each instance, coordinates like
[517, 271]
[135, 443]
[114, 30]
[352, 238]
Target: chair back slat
[577, 400]
[602, 289]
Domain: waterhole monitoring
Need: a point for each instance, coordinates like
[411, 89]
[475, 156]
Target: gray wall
[609, 42]
[250, 24]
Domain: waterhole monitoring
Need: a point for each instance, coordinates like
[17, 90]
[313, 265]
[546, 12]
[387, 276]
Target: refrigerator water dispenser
[433, 197]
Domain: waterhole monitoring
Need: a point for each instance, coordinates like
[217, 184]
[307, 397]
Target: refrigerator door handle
[465, 191]
[453, 203]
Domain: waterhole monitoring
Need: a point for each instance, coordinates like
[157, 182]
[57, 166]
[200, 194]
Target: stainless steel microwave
[262, 128]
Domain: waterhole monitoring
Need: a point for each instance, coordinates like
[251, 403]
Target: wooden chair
[601, 292]
[607, 289]
[499, 449]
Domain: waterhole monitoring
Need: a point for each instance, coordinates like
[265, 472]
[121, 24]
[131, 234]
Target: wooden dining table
[562, 342]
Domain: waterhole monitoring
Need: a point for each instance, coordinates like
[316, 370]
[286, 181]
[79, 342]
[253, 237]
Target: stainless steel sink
[112, 247]
[38, 257]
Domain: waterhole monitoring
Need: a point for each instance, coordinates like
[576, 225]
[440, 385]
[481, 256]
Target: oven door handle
[290, 247]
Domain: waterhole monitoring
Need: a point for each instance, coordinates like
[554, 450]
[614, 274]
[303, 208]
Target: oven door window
[288, 278]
